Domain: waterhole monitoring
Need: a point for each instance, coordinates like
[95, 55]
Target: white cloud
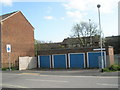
[48, 17]
[75, 15]
[6, 2]
[76, 4]
[107, 6]
[62, 18]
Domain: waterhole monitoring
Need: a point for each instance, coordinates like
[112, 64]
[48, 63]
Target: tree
[84, 30]
[36, 44]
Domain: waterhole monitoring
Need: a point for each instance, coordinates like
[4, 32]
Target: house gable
[10, 15]
[19, 33]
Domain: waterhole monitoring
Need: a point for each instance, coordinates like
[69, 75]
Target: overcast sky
[54, 19]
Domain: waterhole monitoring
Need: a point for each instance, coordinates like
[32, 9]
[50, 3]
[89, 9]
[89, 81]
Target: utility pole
[90, 33]
[102, 66]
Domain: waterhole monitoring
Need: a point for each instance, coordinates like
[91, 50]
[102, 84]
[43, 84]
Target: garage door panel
[60, 61]
[45, 61]
[76, 60]
[94, 59]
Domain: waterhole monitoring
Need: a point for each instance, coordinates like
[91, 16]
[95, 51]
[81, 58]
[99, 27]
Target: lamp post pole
[90, 33]
[102, 66]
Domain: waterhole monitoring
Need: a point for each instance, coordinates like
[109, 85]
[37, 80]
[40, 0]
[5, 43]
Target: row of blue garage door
[71, 60]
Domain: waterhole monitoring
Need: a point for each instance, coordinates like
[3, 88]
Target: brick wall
[110, 52]
[18, 32]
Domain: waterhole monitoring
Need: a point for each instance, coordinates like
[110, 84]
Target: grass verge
[112, 68]
[12, 69]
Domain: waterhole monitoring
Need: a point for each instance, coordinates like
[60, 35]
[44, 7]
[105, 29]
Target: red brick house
[15, 30]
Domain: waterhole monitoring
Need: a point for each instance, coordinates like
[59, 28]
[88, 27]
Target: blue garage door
[94, 59]
[45, 61]
[59, 61]
[76, 60]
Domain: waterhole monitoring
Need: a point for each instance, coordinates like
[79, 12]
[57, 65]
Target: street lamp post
[98, 6]
[90, 33]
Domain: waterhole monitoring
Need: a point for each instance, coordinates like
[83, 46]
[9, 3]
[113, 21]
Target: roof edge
[14, 14]
[27, 19]
[9, 16]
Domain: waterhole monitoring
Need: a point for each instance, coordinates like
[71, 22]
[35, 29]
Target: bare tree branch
[84, 29]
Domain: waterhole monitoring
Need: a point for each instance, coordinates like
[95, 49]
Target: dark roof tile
[6, 15]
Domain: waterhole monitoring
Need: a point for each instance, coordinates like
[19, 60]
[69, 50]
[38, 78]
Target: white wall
[27, 63]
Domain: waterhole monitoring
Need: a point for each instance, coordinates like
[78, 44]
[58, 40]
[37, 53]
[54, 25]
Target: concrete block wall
[27, 63]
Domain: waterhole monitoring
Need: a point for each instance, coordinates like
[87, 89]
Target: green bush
[106, 70]
[4, 69]
[114, 67]
[12, 68]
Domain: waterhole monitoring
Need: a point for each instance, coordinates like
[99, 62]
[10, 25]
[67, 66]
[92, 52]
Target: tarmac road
[59, 79]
